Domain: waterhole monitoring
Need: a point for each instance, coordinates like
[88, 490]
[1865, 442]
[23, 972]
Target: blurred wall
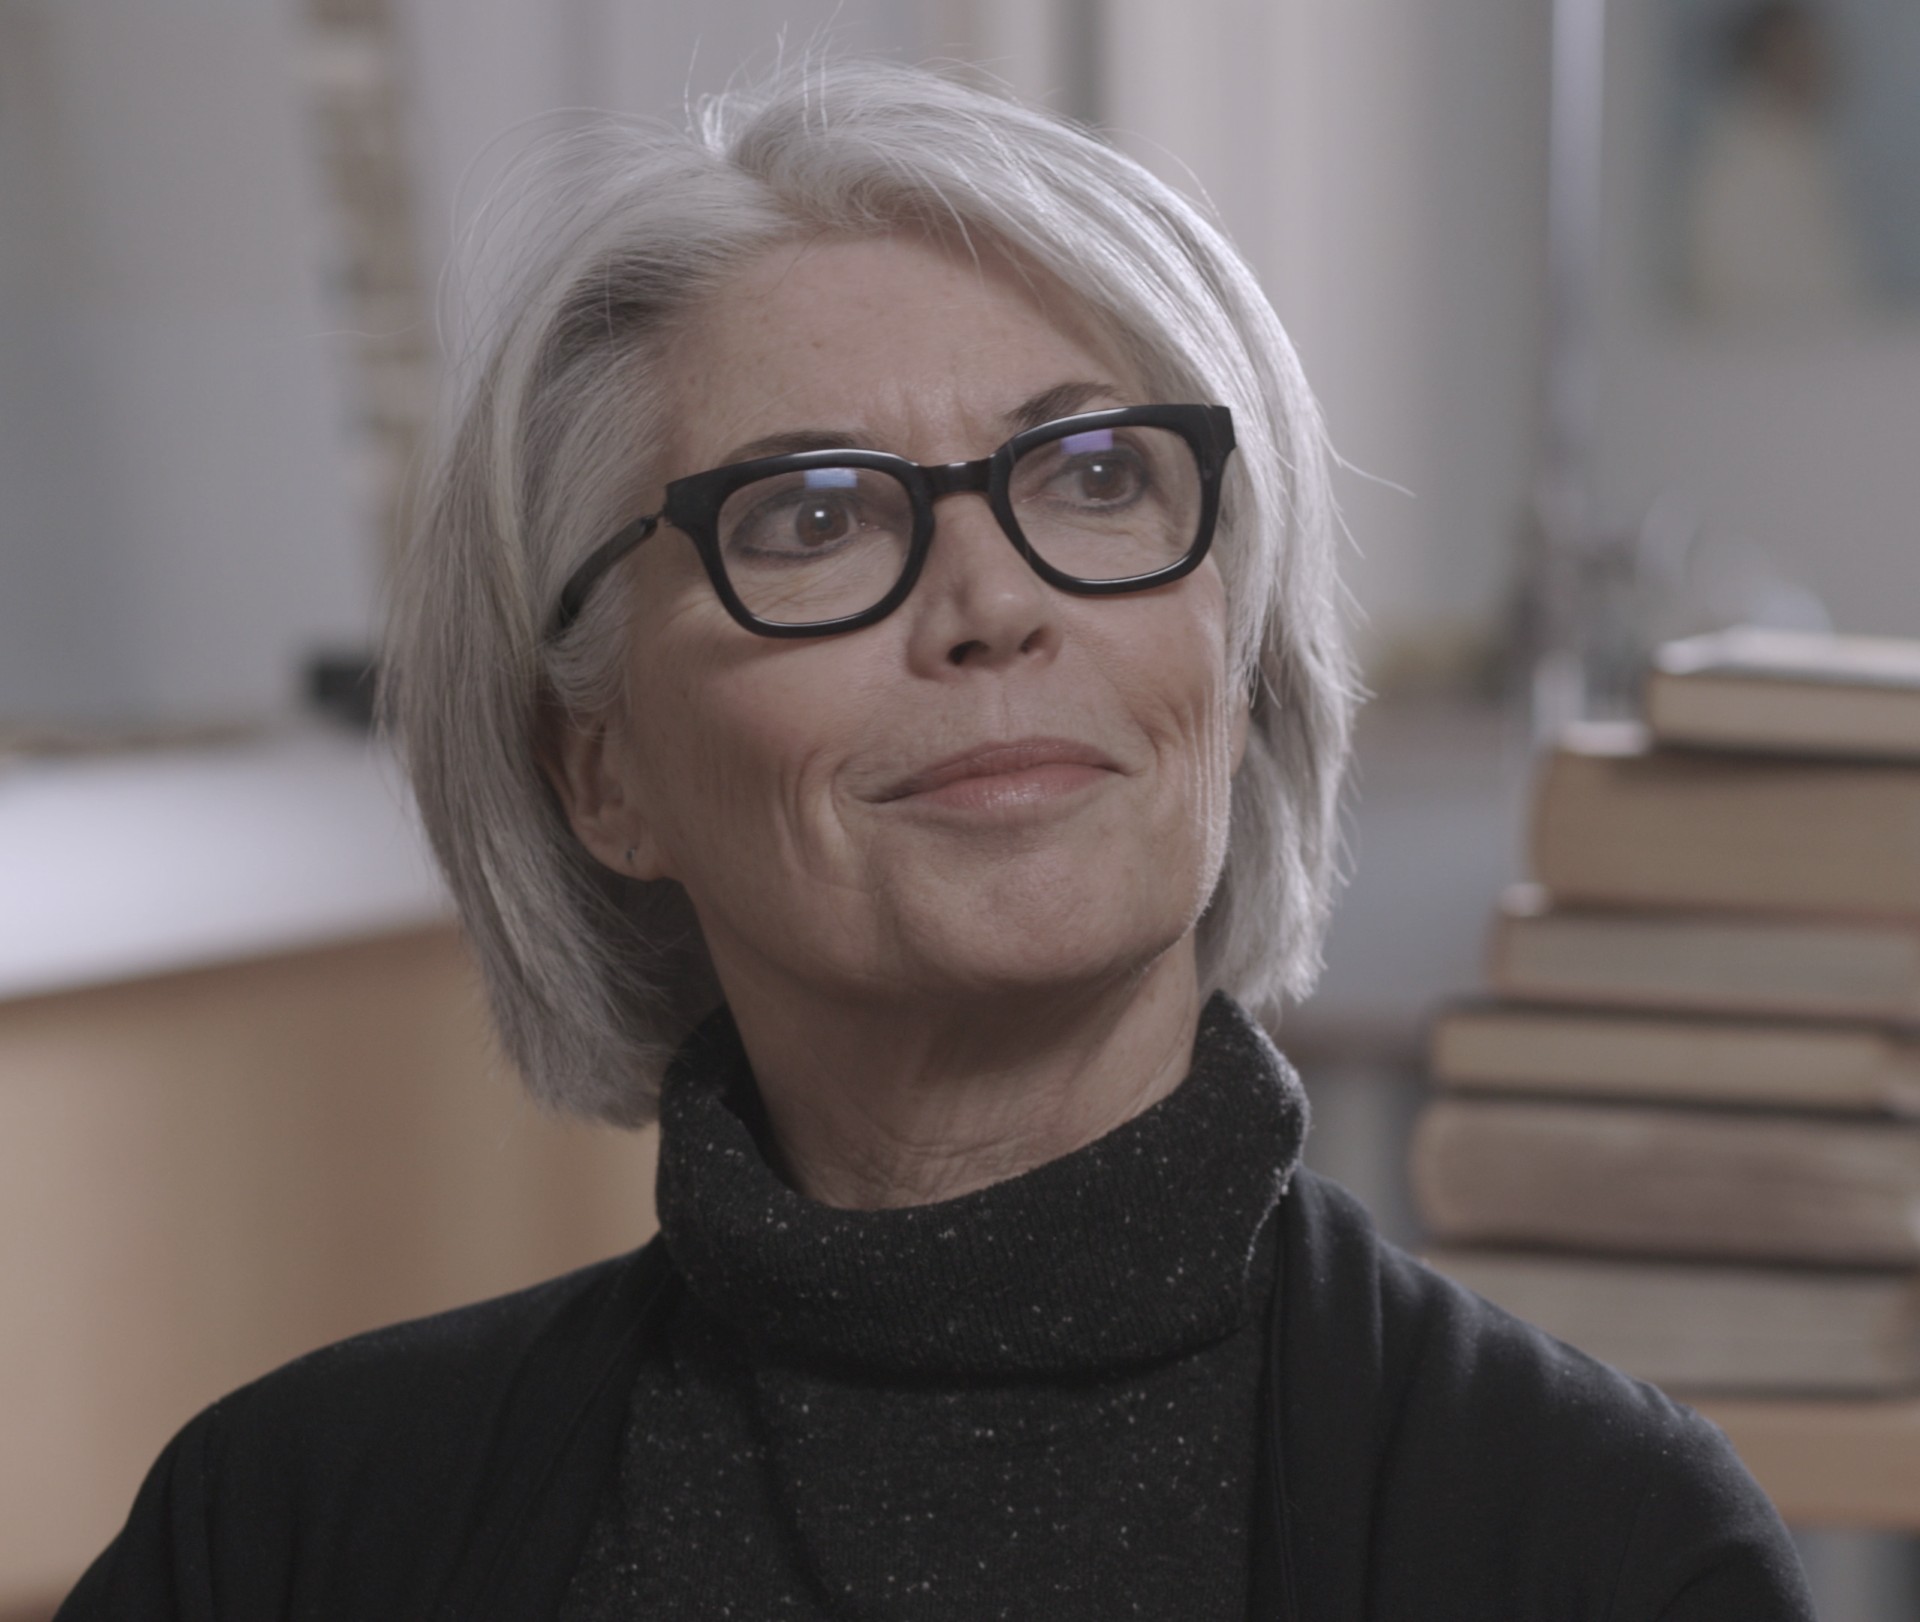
[178, 523]
[175, 521]
[1796, 437]
[1383, 164]
[491, 74]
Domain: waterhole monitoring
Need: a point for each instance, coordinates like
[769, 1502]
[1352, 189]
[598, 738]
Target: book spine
[1663, 830]
[1644, 961]
[1831, 720]
[1798, 1066]
[1668, 1182]
[1699, 1327]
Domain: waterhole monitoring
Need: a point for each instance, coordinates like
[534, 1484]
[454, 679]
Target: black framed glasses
[824, 541]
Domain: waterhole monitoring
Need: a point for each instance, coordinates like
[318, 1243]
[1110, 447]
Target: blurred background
[1614, 312]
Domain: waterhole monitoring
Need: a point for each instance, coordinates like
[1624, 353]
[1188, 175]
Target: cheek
[1177, 662]
[1178, 669]
[690, 765]
[735, 752]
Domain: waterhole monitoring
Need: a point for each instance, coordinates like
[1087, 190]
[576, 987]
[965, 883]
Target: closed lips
[996, 760]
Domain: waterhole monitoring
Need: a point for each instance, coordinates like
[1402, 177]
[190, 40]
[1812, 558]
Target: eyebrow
[1062, 400]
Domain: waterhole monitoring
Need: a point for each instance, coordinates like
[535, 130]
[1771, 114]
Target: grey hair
[595, 978]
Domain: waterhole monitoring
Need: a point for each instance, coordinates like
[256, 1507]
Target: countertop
[119, 866]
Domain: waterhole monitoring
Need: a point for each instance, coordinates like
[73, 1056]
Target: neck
[883, 1105]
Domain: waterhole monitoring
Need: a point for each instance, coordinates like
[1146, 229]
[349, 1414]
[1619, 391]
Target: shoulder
[1498, 1448]
[436, 1373]
[383, 1459]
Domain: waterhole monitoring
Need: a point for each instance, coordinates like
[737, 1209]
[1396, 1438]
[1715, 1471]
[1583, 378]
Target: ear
[595, 773]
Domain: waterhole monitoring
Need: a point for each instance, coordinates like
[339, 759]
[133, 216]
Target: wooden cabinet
[205, 1174]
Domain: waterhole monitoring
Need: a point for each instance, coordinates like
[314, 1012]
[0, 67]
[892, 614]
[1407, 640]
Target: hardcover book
[1507, 1048]
[1617, 822]
[1794, 692]
[1711, 962]
[1704, 1328]
[1652, 1181]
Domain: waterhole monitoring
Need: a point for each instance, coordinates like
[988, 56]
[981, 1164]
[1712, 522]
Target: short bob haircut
[594, 978]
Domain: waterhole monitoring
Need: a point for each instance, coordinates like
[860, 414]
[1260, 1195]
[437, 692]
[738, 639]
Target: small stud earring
[630, 850]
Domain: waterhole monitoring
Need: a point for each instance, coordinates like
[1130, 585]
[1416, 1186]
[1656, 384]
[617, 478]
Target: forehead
[905, 341]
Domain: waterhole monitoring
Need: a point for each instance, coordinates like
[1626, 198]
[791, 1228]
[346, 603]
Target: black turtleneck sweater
[1037, 1399]
[1045, 1412]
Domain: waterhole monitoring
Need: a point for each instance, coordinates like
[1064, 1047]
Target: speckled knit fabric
[1038, 1399]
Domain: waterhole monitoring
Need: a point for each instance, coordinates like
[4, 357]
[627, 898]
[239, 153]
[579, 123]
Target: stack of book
[1684, 1131]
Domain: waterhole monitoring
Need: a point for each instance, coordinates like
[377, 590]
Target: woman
[873, 647]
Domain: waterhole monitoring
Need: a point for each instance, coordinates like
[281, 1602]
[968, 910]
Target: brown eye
[1106, 479]
[821, 523]
[808, 516]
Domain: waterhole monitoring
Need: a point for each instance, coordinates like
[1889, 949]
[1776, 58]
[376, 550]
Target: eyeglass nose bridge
[973, 478]
[967, 478]
[955, 478]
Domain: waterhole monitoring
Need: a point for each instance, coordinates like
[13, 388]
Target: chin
[1045, 942]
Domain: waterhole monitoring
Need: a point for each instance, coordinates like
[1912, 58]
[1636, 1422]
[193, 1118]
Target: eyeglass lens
[822, 543]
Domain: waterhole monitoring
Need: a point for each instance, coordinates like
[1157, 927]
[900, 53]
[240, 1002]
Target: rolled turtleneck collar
[1136, 1247]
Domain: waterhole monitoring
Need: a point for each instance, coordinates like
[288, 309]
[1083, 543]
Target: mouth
[999, 774]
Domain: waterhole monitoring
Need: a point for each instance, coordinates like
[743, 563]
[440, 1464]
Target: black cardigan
[1429, 1457]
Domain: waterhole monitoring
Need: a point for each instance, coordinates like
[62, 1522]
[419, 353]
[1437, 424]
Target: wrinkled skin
[937, 990]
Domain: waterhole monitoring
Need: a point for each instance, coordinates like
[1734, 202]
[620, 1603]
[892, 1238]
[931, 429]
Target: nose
[977, 604]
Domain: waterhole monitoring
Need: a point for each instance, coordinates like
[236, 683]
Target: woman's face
[804, 792]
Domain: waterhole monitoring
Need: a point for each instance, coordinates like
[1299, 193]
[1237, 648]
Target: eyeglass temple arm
[573, 595]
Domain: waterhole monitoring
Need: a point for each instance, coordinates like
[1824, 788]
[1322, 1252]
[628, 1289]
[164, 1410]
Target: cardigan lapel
[1271, 1589]
[559, 1443]
[1329, 1380]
